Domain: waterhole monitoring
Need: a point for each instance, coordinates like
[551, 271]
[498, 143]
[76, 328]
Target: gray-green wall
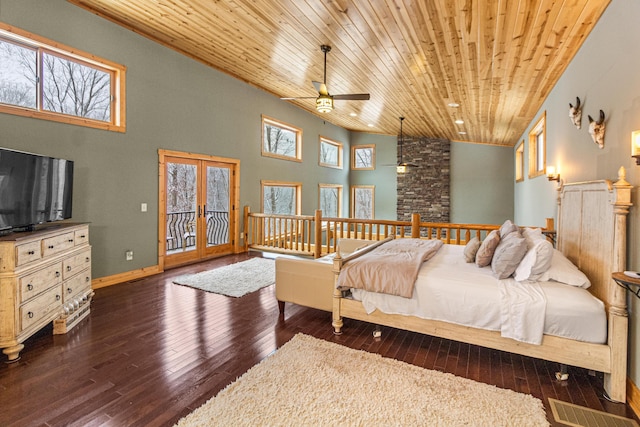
[176, 103]
[604, 74]
[481, 184]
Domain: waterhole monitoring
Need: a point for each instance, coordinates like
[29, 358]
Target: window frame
[42, 45]
[296, 185]
[354, 189]
[520, 162]
[355, 148]
[340, 148]
[339, 188]
[538, 147]
[266, 120]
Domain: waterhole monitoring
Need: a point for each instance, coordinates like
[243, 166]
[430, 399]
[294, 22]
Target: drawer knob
[57, 274]
[83, 236]
[68, 268]
[87, 279]
[69, 290]
[58, 297]
[30, 315]
[50, 246]
[70, 240]
[87, 259]
[29, 287]
[31, 253]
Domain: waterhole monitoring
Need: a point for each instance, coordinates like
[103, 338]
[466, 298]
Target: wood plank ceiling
[498, 59]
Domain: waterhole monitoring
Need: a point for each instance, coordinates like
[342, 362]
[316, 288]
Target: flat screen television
[34, 189]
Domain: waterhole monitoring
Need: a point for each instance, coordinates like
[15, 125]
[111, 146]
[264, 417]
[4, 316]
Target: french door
[198, 208]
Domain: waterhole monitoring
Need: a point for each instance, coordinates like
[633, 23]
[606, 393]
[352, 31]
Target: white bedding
[451, 290]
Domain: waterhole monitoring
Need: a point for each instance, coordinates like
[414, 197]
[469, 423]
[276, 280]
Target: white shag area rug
[310, 382]
[234, 280]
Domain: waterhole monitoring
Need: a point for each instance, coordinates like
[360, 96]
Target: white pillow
[532, 235]
[508, 255]
[471, 249]
[507, 227]
[536, 261]
[562, 270]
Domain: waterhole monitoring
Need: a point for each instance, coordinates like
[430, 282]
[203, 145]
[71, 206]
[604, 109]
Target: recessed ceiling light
[453, 104]
[462, 132]
[459, 122]
[370, 125]
[353, 114]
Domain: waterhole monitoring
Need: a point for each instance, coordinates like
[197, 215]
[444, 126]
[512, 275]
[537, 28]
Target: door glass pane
[217, 207]
[181, 207]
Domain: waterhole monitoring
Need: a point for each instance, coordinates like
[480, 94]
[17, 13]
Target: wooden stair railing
[315, 236]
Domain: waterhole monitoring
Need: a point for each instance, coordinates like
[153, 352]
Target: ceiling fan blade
[298, 97]
[317, 85]
[353, 97]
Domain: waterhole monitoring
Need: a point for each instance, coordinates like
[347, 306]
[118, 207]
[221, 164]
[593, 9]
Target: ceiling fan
[402, 165]
[324, 101]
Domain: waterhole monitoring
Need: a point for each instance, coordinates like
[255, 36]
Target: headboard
[592, 233]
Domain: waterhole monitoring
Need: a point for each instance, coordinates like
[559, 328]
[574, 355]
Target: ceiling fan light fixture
[324, 104]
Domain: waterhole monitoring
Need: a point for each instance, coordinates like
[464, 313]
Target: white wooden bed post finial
[615, 382]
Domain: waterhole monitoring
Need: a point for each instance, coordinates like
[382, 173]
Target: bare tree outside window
[75, 89]
[17, 82]
[330, 197]
[279, 200]
[330, 153]
[181, 187]
[43, 77]
[362, 202]
[363, 157]
[281, 140]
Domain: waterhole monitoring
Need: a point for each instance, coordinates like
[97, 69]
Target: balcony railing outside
[181, 229]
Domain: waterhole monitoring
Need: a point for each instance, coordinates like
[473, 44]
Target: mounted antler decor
[596, 129]
[575, 114]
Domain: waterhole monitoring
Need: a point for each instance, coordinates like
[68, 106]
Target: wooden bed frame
[592, 234]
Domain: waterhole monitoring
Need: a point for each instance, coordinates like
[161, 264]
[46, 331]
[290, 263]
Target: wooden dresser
[45, 276]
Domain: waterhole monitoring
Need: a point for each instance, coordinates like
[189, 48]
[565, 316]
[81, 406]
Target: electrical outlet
[128, 255]
[143, 207]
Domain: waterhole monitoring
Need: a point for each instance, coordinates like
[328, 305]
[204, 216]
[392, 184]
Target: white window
[363, 157]
[362, 201]
[538, 148]
[330, 154]
[281, 140]
[330, 202]
[46, 80]
[281, 198]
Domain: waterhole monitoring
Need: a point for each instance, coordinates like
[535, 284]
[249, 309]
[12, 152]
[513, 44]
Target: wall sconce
[635, 146]
[552, 175]
[401, 168]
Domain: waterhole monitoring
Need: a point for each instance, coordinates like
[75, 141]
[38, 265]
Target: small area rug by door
[234, 280]
[311, 382]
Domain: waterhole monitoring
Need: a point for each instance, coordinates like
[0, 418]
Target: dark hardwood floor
[152, 351]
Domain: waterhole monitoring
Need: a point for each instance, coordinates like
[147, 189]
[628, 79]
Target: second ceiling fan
[324, 101]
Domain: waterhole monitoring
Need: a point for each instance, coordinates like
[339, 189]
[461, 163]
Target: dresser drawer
[56, 244]
[32, 312]
[76, 263]
[78, 284]
[81, 236]
[28, 252]
[35, 283]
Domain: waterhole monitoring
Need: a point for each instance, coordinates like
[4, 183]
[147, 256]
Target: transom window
[330, 153]
[330, 200]
[538, 148]
[281, 198]
[46, 80]
[281, 140]
[363, 157]
[362, 201]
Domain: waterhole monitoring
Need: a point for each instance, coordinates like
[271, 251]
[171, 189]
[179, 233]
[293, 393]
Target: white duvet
[451, 290]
